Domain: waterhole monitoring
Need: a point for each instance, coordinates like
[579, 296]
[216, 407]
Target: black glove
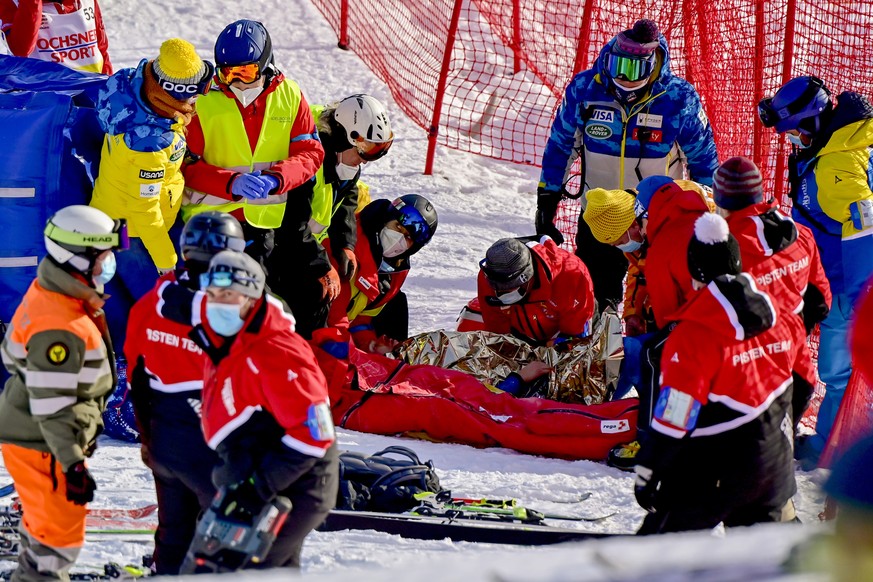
[547, 208]
[646, 488]
[80, 484]
[348, 264]
[242, 502]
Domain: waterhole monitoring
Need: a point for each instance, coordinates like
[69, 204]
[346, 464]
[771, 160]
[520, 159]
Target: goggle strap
[81, 239]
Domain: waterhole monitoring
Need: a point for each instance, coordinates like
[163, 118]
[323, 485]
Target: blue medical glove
[249, 186]
[270, 182]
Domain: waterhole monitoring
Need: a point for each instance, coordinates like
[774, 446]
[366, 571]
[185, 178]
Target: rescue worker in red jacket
[253, 151]
[166, 381]
[69, 32]
[389, 233]
[717, 450]
[265, 406]
[535, 290]
[780, 254]
[861, 338]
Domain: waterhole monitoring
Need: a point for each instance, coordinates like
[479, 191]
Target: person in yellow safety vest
[353, 132]
[253, 151]
[143, 111]
[60, 357]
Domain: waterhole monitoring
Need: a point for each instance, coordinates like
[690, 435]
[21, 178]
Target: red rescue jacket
[672, 213]
[561, 300]
[266, 370]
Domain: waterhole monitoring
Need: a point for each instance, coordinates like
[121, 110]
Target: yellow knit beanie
[179, 63]
[609, 213]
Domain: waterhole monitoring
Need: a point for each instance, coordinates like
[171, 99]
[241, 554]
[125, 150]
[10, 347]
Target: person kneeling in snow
[719, 447]
[389, 233]
[533, 289]
[265, 406]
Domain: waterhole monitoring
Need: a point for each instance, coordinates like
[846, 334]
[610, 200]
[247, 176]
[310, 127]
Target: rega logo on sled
[598, 131]
[614, 426]
[146, 175]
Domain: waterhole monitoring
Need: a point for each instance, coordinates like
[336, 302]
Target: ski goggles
[246, 73]
[116, 240]
[187, 91]
[213, 242]
[374, 151]
[223, 276]
[411, 219]
[629, 68]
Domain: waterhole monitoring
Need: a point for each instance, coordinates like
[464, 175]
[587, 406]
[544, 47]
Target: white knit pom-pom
[711, 229]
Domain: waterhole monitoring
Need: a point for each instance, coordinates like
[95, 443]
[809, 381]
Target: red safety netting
[486, 76]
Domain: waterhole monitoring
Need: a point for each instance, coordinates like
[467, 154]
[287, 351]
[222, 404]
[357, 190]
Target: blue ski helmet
[244, 42]
[798, 104]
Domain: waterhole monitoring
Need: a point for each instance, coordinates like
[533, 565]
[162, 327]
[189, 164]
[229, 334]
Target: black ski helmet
[208, 233]
[418, 216]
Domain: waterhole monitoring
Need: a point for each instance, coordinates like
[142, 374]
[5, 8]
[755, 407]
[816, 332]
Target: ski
[501, 503]
[111, 571]
[7, 490]
[463, 530]
[119, 513]
[442, 504]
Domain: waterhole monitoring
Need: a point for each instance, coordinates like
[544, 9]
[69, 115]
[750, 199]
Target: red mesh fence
[486, 76]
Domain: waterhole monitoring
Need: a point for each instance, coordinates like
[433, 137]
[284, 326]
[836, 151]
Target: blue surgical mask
[797, 141]
[630, 246]
[107, 270]
[224, 318]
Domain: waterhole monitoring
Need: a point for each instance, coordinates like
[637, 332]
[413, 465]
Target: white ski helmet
[78, 234]
[363, 116]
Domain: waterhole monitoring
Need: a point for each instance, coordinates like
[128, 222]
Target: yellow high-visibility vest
[227, 146]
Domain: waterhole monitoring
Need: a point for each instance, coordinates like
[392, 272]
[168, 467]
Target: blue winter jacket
[661, 134]
[831, 186]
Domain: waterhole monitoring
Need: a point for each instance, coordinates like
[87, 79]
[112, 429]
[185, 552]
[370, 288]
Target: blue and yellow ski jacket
[662, 134]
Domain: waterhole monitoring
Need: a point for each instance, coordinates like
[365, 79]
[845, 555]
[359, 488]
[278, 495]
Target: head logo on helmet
[76, 235]
[800, 104]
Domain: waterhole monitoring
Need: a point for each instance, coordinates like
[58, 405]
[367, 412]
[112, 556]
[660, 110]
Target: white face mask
[798, 141]
[345, 171]
[628, 88]
[393, 242]
[247, 96]
[512, 297]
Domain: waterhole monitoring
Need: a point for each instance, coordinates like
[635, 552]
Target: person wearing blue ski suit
[628, 117]
[831, 186]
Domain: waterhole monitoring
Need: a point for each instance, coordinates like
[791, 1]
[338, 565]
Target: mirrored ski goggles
[246, 73]
[223, 277]
[374, 151]
[116, 240]
[411, 219]
[212, 241]
[629, 68]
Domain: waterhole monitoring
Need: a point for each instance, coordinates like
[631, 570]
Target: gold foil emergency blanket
[584, 370]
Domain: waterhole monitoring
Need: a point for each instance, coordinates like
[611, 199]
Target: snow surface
[479, 200]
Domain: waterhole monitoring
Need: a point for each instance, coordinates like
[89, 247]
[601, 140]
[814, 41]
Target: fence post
[344, 25]
[787, 66]
[758, 85]
[441, 88]
[581, 62]
[516, 35]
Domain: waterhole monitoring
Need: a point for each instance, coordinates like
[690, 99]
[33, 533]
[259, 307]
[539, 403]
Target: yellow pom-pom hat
[179, 63]
[609, 213]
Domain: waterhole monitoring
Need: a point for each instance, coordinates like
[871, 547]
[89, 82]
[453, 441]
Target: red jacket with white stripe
[165, 366]
[561, 300]
[265, 382]
[783, 258]
[723, 417]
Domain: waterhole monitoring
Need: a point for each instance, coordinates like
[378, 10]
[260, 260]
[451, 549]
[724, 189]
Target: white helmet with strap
[363, 117]
[78, 234]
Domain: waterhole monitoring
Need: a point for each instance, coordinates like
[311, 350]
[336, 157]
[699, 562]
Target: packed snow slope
[479, 200]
